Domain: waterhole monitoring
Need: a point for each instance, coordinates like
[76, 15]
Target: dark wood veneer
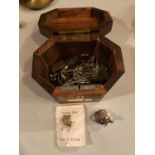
[71, 31]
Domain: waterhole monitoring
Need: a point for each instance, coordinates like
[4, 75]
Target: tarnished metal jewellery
[80, 69]
[102, 117]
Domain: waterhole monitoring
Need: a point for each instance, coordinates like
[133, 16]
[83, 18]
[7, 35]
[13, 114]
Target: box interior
[62, 51]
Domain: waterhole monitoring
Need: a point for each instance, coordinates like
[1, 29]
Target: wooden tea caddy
[72, 31]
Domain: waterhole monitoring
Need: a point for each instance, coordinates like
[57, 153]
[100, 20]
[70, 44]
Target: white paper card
[72, 134]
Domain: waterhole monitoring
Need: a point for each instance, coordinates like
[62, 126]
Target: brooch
[66, 121]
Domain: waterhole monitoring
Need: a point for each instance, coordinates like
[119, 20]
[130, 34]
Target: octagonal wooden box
[72, 31]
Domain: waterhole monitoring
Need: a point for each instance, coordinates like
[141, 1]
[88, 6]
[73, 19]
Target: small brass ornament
[66, 120]
[35, 4]
[102, 117]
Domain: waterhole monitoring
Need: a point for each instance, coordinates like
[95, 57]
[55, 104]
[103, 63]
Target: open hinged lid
[75, 21]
